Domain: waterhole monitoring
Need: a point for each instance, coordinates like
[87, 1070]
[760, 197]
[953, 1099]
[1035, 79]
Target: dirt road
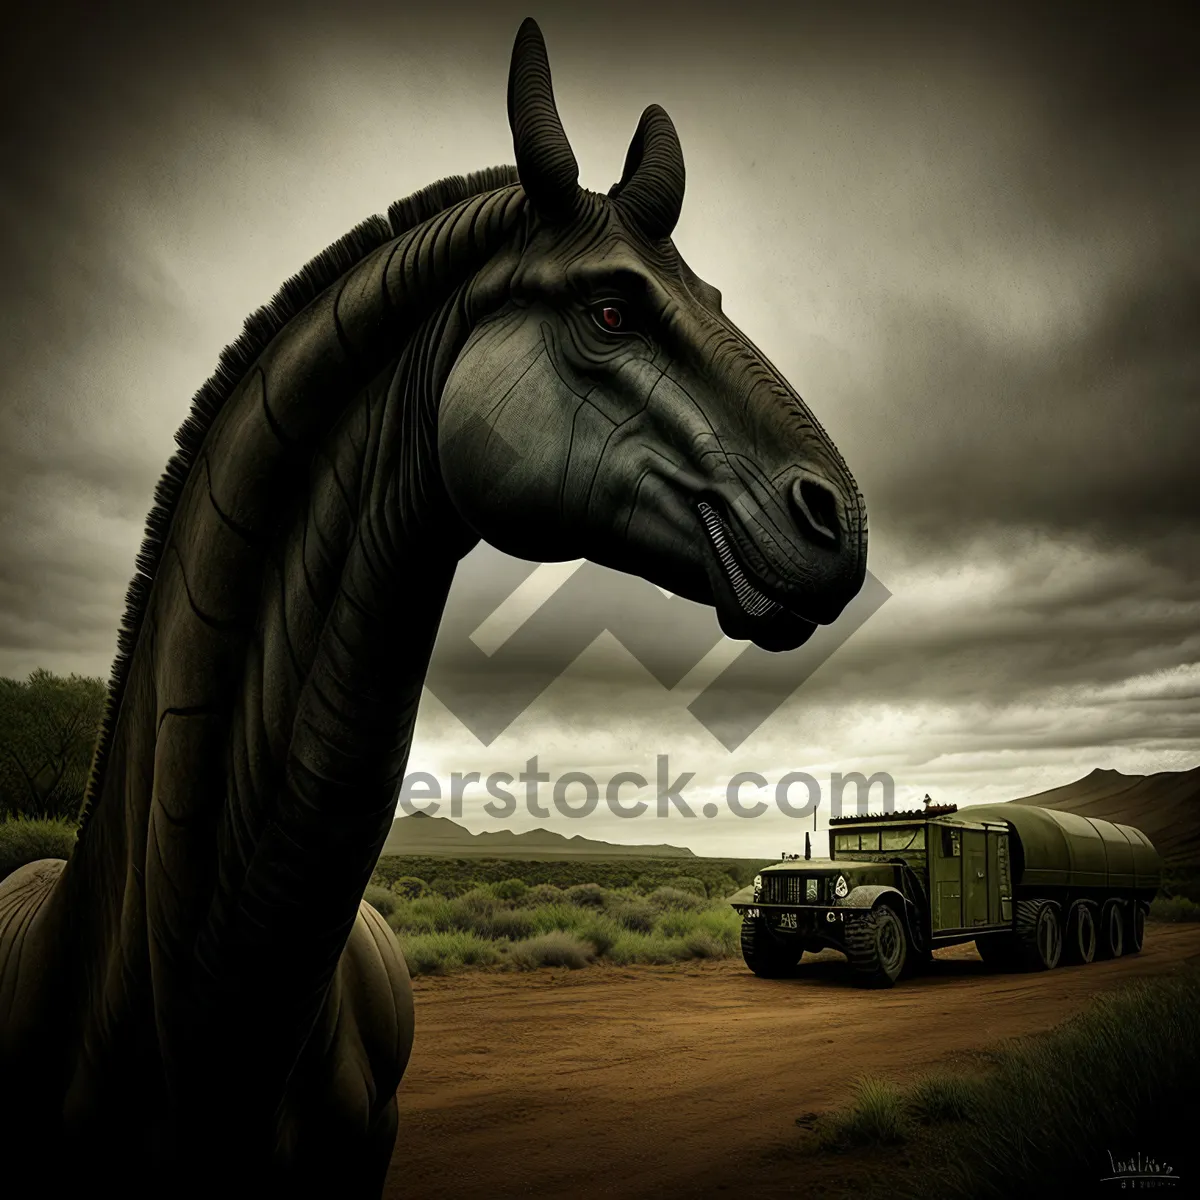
[687, 1080]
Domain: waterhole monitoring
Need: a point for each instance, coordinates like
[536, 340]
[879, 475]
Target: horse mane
[235, 360]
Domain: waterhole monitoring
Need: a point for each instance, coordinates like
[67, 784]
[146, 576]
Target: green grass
[522, 927]
[25, 840]
[1043, 1116]
[709, 878]
[1174, 908]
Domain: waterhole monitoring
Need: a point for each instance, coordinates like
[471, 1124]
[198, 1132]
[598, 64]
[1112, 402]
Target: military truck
[1031, 887]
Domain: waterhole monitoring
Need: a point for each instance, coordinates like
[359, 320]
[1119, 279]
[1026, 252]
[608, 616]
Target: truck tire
[877, 947]
[1110, 942]
[1079, 946]
[766, 955]
[1136, 928]
[1039, 934]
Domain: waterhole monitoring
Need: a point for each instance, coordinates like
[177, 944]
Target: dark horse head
[610, 410]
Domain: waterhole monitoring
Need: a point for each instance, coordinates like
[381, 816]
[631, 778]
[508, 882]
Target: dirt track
[687, 1080]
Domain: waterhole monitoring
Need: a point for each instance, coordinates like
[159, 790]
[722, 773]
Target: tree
[48, 728]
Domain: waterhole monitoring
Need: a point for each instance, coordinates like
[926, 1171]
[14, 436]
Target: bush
[409, 887]
[24, 841]
[602, 931]
[510, 889]
[636, 914]
[380, 899]
[876, 1116]
[429, 914]
[478, 902]
[557, 916]
[556, 949]
[689, 883]
[511, 923]
[674, 898]
[646, 948]
[720, 925]
[591, 894]
[437, 953]
[1174, 908]
[938, 1098]
[544, 893]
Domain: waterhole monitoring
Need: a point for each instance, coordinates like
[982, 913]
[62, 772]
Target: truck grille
[789, 889]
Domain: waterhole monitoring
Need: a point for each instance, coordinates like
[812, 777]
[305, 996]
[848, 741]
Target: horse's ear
[651, 187]
[545, 162]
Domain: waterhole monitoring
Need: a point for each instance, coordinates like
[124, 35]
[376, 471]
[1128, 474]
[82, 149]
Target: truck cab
[895, 886]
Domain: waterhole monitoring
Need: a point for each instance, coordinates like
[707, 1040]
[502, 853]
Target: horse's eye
[611, 316]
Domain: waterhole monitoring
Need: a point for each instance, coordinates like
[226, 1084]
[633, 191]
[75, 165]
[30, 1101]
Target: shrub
[646, 948]
[876, 1116]
[24, 841]
[511, 923]
[557, 916]
[635, 914]
[380, 899]
[945, 1097]
[555, 949]
[703, 945]
[510, 889]
[591, 894]
[722, 925]
[602, 931]
[437, 953]
[544, 893]
[429, 914]
[689, 883]
[1174, 908]
[478, 902]
[409, 887]
[669, 897]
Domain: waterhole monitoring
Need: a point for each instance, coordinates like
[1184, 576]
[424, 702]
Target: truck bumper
[815, 920]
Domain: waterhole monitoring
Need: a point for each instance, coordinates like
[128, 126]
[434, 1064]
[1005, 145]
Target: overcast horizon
[969, 238]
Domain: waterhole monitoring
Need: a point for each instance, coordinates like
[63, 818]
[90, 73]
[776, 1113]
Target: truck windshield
[911, 837]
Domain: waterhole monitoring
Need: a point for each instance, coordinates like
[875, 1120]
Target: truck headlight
[757, 886]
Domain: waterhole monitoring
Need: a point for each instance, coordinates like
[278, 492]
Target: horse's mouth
[744, 611]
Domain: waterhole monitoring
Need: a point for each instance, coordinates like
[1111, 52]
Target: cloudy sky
[971, 241]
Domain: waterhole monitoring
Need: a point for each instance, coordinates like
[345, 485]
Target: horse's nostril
[817, 507]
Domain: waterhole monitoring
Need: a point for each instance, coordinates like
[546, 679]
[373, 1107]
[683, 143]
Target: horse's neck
[274, 683]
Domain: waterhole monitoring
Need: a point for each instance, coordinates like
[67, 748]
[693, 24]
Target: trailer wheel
[1111, 942]
[1080, 944]
[766, 955]
[877, 947]
[1039, 934]
[1136, 927]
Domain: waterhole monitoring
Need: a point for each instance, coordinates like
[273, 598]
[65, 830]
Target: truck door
[975, 877]
[947, 878]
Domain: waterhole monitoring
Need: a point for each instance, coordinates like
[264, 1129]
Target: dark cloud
[968, 232]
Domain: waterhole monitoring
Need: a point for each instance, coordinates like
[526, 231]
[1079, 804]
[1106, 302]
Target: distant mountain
[421, 834]
[1165, 807]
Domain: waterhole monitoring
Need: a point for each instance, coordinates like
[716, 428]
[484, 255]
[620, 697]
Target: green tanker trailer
[1031, 887]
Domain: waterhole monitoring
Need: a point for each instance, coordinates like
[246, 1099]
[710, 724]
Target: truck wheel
[766, 955]
[877, 947]
[1136, 927]
[1080, 944]
[1039, 934]
[1111, 942]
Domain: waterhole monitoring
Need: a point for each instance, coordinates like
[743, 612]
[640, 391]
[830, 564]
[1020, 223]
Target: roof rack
[934, 810]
